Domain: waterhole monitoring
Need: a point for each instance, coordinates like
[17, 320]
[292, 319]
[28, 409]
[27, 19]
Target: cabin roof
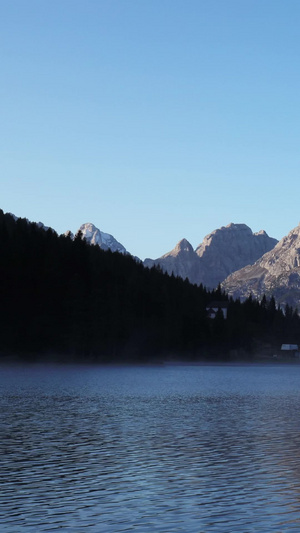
[289, 346]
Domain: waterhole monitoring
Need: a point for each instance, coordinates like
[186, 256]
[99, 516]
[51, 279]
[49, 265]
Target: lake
[170, 448]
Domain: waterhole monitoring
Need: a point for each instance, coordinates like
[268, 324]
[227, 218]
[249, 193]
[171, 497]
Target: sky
[155, 120]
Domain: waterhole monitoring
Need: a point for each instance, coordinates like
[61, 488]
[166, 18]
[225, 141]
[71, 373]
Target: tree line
[69, 300]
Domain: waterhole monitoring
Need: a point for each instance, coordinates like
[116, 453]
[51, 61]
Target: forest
[67, 300]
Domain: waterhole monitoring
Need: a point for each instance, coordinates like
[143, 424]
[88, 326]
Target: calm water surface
[165, 449]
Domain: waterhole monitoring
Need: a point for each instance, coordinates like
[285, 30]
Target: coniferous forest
[70, 301]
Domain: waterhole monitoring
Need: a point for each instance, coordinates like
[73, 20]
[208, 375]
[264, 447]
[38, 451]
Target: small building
[215, 306]
[291, 350]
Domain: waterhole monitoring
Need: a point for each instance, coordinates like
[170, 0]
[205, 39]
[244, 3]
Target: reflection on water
[167, 449]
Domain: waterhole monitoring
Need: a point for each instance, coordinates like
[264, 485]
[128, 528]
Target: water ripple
[155, 449]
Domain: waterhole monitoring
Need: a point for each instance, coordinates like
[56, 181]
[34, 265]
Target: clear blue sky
[153, 119]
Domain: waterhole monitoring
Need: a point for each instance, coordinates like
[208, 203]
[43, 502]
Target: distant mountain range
[243, 262]
[75, 302]
[222, 252]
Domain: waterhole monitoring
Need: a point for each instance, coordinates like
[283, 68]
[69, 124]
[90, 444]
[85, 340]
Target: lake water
[150, 449]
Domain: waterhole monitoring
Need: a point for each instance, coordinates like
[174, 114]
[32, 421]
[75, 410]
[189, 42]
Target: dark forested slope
[73, 300]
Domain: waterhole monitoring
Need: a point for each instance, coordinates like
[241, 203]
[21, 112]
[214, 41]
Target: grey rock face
[277, 273]
[222, 252]
[181, 261]
[230, 248]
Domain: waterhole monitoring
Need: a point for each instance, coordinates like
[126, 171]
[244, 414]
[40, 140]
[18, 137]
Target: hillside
[72, 301]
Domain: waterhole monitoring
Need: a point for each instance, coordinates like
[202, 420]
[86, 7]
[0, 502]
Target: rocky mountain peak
[181, 261]
[94, 236]
[236, 227]
[91, 233]
[230, 248]
[223, 251]
[261, 232]
[236, 235]
[276, 273]
[182, 246]
[285, 255]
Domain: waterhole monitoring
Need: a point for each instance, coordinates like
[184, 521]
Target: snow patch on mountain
[94, 236]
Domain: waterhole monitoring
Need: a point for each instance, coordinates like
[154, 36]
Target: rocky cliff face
[222, 252]
[181, 261]
[230, 248]
[277, 273]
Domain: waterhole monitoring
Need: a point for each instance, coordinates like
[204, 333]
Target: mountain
[94, 236]
[182, 261]
[70, 301]
[39, 224]
[277, 273]
[222, 252]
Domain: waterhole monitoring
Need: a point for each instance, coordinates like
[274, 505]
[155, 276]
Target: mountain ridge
[106, 241]
[276, 273]
[221, 252]
[65, 300]
[242, 261]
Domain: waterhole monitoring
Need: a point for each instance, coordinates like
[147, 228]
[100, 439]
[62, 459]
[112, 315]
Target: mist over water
[167, 448]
